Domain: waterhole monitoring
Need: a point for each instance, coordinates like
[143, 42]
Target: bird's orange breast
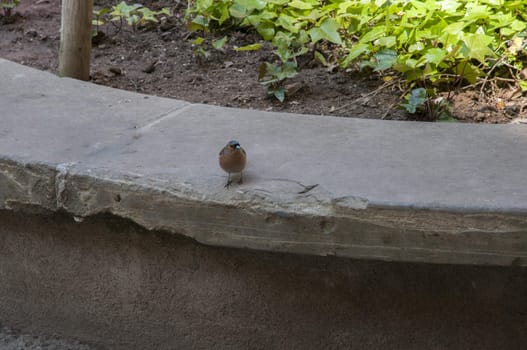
[233, 161]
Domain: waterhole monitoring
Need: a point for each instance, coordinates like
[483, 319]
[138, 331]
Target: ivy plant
[132, 14]
[428, 42]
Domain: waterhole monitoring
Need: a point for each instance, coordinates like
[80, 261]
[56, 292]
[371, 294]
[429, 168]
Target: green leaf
[147, 15]
[270, 73]
[288, 23]
[201, 52]
[238, 11]
[165, 11]
[518, 26]
[455, 29]
[266, 30]
[475, 12]
[435, 55]
[320, 57]
[287, 70]
[374, 34]
[416, 47]
[416, 99]
[198, 41]
[315, 34]
[251, 4]
[385, 59]
[507, 31]
[251, 47]
[133, 20]
[449, 6]
[355, 52]
[101, 12]
[300, 5]
[198, 23]
[279, 94]
[477, 46]
[124, 10]
[387, 41]
[218, 44]
[242, 8]
[328, 30]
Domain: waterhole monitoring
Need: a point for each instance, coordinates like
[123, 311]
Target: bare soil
[160, 60]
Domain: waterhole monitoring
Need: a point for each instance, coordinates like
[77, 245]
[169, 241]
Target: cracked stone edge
[345, 226]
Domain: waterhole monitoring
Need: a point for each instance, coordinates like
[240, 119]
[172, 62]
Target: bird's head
[233, 145]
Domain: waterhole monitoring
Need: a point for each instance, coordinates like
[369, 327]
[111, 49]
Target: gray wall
[111, 283]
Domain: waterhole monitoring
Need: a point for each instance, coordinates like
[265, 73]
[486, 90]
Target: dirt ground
[160, 60]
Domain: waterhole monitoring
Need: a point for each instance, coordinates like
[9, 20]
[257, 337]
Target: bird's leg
[229, 181]
[240, 181]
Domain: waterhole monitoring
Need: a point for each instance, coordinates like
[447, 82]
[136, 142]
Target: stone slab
[447, 166]
[430, 192]
[57, 120]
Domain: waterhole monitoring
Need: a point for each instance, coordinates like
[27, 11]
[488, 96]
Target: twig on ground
[366, 98]
[388, 110]
[486, 79]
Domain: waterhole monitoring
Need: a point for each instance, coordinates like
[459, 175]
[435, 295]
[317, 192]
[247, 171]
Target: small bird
[233, 159]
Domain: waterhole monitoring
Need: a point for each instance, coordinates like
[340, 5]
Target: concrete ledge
[429, 192]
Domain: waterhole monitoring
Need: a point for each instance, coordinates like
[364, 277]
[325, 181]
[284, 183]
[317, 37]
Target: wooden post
[75, 39]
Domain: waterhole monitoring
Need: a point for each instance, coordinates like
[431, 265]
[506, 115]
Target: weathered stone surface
[52, 120]
[379, 233]
[27, 185]
[384, 190]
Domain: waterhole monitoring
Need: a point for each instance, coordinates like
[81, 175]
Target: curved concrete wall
[428, 192]
[75, 159]
[113, 284]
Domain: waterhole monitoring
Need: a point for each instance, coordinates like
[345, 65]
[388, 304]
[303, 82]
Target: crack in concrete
[165, 116]
[336, 245]
[63, 170]
[12, 179]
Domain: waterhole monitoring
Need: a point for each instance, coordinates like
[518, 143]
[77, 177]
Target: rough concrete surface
[14, 340]
[112, 284]
[430, 192]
